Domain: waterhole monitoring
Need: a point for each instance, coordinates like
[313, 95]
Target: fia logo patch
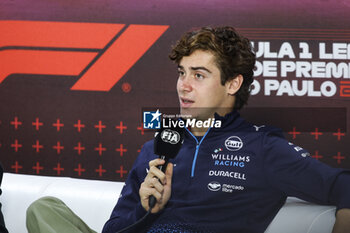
[170, 136]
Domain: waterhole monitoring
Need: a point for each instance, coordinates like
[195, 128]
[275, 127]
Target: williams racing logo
[230, 160]
[233, 143]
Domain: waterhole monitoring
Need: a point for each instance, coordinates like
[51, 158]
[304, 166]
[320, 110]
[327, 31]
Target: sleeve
[128, 209]
[341, 191]
[291, 170]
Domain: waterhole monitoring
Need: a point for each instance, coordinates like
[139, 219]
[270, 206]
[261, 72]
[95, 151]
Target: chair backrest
[94, 201]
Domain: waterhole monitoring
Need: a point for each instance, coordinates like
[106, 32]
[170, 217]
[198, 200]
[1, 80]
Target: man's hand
[342, 221]
[157, 184]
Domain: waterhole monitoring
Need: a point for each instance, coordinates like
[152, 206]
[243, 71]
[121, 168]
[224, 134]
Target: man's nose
[185, 84]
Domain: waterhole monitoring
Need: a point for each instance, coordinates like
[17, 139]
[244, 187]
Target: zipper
[196, 152]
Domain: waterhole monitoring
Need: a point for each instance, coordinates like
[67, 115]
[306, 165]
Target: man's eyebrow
[196, 68]
[200, 68]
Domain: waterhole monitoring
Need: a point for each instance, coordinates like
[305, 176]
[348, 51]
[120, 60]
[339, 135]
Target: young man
[229, 179]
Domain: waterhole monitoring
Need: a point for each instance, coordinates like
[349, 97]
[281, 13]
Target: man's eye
[181, 73]
[199, 76]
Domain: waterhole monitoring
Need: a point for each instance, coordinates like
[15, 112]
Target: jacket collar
[231, 119]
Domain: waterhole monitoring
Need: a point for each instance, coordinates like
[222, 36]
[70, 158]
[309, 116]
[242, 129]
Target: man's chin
[188, 113]
[194, 113]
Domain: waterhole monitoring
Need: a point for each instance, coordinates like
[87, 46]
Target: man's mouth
[185, 102]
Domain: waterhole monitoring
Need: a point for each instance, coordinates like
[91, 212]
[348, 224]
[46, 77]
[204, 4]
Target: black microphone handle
[152, 200]
[163, 167]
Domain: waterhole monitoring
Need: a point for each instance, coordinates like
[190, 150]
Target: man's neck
[199, 131]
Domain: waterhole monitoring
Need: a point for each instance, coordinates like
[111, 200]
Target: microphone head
[168, 141]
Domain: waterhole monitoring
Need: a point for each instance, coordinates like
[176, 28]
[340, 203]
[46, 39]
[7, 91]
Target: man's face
[199, 87]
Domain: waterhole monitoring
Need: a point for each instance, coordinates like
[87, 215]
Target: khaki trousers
[51, 215]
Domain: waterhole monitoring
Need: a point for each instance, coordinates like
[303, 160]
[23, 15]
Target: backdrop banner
[75, 77]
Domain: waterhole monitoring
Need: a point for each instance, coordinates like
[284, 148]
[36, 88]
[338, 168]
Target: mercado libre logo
[214, 186]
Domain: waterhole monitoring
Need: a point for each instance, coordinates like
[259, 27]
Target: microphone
[167, 144]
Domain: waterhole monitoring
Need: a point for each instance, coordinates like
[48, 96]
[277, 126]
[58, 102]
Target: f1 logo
[99, 53]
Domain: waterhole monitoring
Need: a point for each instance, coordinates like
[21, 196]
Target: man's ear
[234, 84]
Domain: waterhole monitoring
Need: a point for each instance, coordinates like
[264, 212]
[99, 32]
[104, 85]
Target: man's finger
[156, 162]
[155, 172]
[169, 173]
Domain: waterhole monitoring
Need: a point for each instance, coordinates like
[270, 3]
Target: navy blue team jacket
[234, 179]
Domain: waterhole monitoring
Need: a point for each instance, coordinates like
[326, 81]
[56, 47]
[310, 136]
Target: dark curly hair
[233, 53]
